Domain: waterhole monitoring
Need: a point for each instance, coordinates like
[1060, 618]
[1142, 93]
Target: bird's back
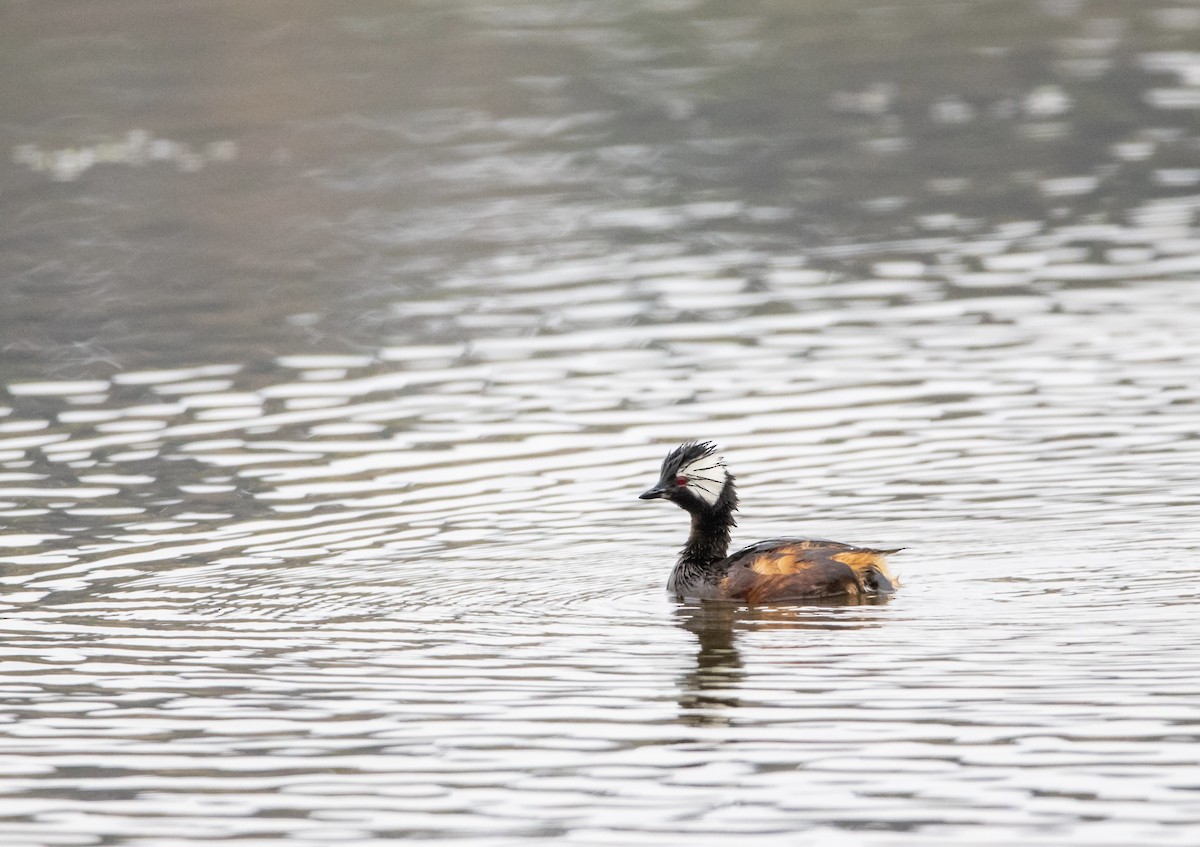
[805, 568]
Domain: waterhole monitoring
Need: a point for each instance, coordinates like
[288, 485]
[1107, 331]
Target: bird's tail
[879, 579]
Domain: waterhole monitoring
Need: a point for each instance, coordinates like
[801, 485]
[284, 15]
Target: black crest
[686, 454]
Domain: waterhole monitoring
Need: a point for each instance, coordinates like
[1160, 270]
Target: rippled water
[338, 343]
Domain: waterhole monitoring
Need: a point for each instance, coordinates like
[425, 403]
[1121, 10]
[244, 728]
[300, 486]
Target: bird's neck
[707, 546]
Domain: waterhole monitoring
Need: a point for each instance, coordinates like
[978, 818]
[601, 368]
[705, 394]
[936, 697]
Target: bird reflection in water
[708, 693]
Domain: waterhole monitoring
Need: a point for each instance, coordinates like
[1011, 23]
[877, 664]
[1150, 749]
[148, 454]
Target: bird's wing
[787, 556]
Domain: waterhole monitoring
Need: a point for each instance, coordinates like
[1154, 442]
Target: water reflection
[708, 693]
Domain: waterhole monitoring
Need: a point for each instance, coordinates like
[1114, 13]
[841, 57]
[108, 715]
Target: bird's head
[694, 477]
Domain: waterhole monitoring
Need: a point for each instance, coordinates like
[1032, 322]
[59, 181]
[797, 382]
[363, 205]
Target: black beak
[653, 494]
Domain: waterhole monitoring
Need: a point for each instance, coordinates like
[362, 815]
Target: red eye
[681, 481]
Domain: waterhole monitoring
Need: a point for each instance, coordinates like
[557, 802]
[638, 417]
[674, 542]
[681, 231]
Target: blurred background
[337, 340]
[208, 181]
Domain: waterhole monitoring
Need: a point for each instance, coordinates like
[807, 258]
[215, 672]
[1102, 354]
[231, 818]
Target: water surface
[337, 344]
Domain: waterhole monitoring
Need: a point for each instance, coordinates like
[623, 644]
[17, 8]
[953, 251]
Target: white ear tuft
[706, 477]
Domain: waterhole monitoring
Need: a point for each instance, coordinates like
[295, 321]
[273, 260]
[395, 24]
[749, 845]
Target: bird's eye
[681, 481]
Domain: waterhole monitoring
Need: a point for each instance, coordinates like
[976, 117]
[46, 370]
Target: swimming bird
[695, 478]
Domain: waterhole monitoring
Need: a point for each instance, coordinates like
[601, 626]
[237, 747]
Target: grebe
[783, 569]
